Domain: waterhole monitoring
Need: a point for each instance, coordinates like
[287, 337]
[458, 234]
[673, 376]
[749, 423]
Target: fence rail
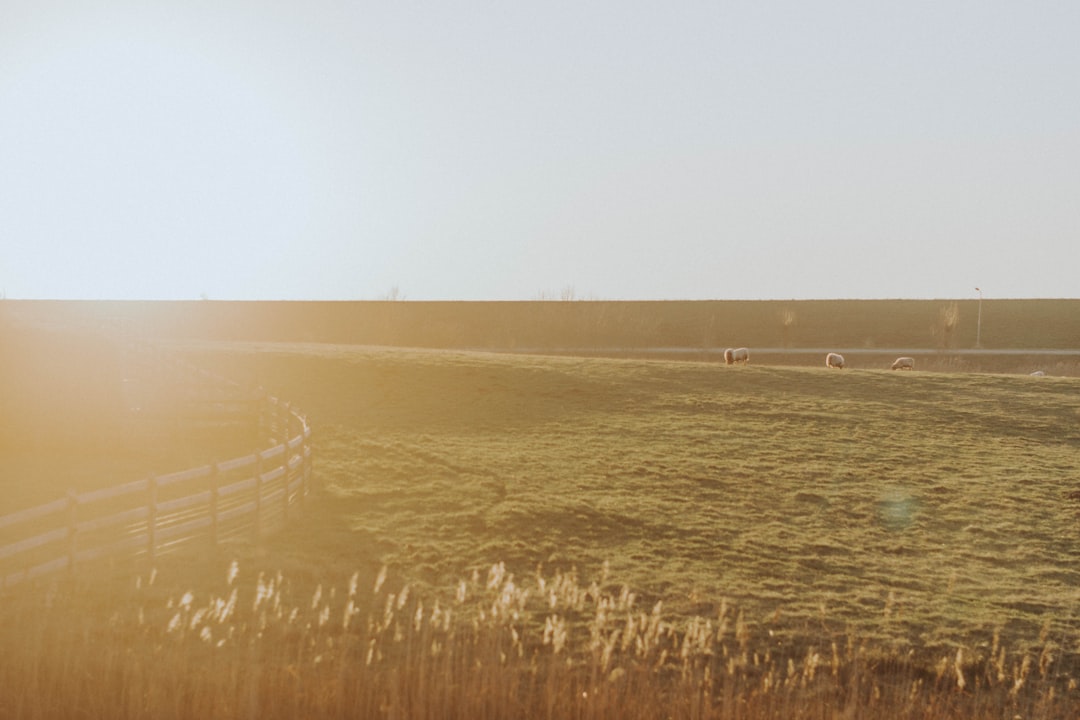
[242, 496]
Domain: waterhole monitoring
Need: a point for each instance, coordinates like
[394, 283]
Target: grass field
[932, 517]
[923, 510]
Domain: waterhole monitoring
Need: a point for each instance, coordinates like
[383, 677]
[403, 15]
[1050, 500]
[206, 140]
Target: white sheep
[736, 355]
[903, 363]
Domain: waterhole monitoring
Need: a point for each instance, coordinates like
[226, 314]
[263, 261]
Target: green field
[922, 510]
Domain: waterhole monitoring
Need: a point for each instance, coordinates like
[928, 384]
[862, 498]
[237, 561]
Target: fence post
[151, 518]
[262, 421]
[284, 422]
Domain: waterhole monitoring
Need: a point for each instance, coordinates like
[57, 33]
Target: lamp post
[978, 322]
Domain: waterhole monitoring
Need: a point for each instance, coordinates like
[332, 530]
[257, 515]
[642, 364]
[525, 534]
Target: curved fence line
[240, 497]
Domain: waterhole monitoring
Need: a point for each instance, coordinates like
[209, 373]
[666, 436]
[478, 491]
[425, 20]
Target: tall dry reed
[495, 647]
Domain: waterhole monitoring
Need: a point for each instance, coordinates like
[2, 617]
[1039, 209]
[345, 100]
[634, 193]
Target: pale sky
[618, 150]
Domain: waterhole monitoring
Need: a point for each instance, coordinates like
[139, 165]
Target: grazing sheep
[1038, 373]
[903, 363]
[834, 360]
[736, 355]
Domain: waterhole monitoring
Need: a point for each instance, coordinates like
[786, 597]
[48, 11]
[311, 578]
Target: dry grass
[494, 646]
[822, 544]
[795, 493]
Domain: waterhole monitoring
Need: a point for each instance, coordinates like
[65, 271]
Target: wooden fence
[146, 518]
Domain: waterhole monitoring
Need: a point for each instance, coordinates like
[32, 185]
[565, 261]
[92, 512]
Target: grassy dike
[935, 324]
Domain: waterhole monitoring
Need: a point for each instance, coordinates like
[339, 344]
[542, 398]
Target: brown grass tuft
[549, 646]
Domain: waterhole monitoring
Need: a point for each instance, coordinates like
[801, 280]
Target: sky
[610, 150]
